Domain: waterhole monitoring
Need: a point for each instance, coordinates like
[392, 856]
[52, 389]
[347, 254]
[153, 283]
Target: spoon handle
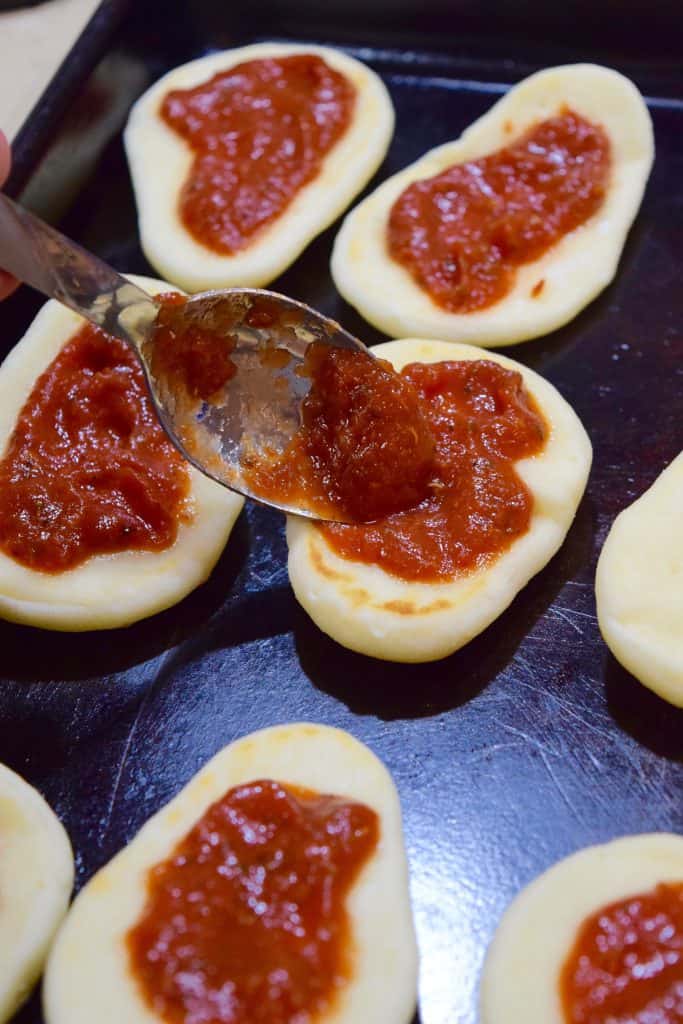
[54, 265]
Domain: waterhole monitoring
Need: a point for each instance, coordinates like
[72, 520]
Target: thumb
[5, 158]
[7, 282]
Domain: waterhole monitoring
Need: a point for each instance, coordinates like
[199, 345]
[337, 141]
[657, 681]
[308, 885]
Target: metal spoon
[259, 407]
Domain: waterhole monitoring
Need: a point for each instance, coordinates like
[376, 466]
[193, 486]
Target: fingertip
[8, 284]
[5, 157]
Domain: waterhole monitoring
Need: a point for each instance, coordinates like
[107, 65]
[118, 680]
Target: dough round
[639, 586]
[88, 978]
[108, 590]
[368, 610]
[519, 983]
[36, 879]
[574, 271]
[159, 163]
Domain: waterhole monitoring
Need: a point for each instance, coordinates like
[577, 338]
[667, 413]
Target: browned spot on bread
[357, 596]
[538, 288]
[410, 608]
[320, 566]
[508, 127]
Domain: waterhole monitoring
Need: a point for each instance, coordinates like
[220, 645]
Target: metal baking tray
[530, 742]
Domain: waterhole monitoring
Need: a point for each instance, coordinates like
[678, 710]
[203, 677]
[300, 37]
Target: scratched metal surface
[526, 745]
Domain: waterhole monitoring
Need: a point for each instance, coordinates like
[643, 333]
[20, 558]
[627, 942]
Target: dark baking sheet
[526, 745]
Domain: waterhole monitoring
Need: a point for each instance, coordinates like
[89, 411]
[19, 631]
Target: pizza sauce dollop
[259, 133]
[88, 469]
[246, 921]
[463, 233]
[482, 421]
[626, 965]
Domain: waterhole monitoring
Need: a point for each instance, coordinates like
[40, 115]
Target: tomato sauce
[364, 449]
[246, 921]
[88, 469]
[463, 233]
[259, 132]
[626, 966]
[482, 421]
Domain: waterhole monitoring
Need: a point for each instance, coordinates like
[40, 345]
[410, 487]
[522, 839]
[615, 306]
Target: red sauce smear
[259, 132]
[482, 421]
[246, 922]
[88, 469]
[463, 233]
[364, 449]
[626, 966]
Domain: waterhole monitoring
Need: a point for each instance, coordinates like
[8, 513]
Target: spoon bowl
[258, 409]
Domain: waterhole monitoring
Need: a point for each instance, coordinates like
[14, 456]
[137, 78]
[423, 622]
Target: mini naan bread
[639, 586]
[368, 610]
[36, 879]
[88, 977]
[160, 160]
[573, 271]
[537, 932]
[113, 590]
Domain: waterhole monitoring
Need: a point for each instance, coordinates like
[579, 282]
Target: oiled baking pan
[532, 741]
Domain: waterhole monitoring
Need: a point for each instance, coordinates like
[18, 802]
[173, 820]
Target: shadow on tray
[30, 1014]
[36, 655]
[390, 690]
[649, 719]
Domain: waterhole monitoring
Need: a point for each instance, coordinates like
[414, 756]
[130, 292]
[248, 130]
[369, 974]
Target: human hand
[7, 282]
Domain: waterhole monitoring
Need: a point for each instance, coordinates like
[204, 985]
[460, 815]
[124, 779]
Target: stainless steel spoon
[259, 407]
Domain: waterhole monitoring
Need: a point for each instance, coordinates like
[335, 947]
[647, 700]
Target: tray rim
[44, 120]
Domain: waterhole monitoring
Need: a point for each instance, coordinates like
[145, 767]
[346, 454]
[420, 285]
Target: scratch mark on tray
[659, 788]
[106, 821]
[584, 720]
[577, 611]
[493, 748]
[592, 686]
[571, 709]
[530, 671]
[559, 787]
[75, 715]
[593, 760]
[527, 739]
[546, 640]
[119, 771]
[569, 615]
